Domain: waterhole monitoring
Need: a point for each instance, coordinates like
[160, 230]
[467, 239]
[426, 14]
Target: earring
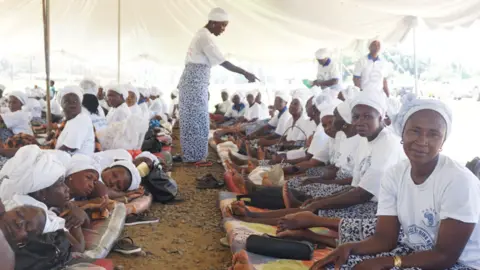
[401, 142]
[440, 150]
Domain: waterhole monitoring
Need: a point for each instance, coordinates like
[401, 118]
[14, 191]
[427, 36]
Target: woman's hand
[338, 257]
[250, 77]
[76, 217]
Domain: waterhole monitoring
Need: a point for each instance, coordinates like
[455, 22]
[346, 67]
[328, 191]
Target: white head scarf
[89, 86]
[150, 156]
[136, 178]
[154, 91]
[321, 54]
[328, 110]
[285, 96]
[21, 96]
[30, 170]
[240, 95]
[143, 91]
[53, 222]
[373, 99]
[120, 89]
[345, 111]
[70, 89]
[412, 106]
[322, 100]
[133, 89]
[350, 92]
[2, 87]
[218, 15]
[80, 163]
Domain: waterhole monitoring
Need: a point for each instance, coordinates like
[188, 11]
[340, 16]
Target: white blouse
[204, 50]
[118, 114]
[18, 122]
[78, 134]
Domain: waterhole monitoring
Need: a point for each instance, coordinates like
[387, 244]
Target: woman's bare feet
[236, 160]
[298, 221]
[239, 182]
[261, 153]
[265, 181]
[239, 209]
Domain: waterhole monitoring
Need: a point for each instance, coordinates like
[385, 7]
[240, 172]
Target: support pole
[415, 62]
[118, 40]
[46, 38]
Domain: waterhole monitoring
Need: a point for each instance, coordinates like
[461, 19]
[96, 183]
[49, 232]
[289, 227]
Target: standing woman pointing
[202, 55]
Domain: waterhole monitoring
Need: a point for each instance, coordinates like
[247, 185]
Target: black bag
[151, 144]
[272, 246]
[48, 251]
[264, 197]
[160, 185]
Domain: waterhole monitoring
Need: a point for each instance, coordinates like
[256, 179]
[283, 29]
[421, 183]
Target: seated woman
[35, 107]
[143, 100]
[91, 104]
[132, 100]
[371, 162]
[36, 177]
[222, 108]
[121, 177]
[158, 107]
[83, 179]
[421, 197]
[16, 121]
[119, 111]
[234, 112]
[74, 135]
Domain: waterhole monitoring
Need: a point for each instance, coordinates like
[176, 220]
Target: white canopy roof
[263, 30]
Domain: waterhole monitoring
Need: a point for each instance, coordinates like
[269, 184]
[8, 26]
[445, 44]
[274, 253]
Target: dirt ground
[188, 234]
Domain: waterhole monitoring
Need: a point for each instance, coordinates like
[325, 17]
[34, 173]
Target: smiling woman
[432, 198]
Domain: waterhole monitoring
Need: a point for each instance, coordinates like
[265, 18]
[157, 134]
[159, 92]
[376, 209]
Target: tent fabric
[264, 31]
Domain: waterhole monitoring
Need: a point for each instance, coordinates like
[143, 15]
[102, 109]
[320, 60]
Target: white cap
[218, 15]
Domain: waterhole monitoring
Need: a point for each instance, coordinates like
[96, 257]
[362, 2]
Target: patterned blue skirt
[193, 107]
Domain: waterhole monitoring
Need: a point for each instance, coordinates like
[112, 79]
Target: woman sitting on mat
[91, 104]
[119, 111]
[37, 177]
[75, 135]
[421, 197]
[18, 119]
[371, 162]
[235, 113]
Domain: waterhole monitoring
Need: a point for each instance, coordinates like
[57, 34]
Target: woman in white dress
[119, 111]
[202, 55]
[18, 119]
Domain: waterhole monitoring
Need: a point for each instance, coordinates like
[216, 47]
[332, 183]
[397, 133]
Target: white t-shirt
[372, 73]
[280, 123]
[374, 158]
[78, 134]
[118, 114]
[328, 72]
[264, 114]
[320, 138]
[223, 107]
[330, 150]
[204, 50]
[98, 121]
[233, 113]
[135, 109]
[301, 130]
[255, 112]
[18, 122]
[451, 191]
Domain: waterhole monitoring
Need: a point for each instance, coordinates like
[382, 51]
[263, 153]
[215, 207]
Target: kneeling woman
[431, 197]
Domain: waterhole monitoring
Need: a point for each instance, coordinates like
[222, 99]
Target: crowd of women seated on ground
[56, 186]
[366, 166]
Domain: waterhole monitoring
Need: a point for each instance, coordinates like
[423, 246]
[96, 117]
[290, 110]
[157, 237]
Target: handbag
[162, 187]
[50, 251]
[276, 247]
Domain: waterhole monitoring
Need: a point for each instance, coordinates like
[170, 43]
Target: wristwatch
[397, 261]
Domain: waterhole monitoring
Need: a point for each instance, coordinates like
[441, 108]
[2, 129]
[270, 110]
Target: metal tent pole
[46, 37]
[118, 40]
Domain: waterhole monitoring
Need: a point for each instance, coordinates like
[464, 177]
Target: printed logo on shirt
[430, 217]
[364, 165]
[419, 238]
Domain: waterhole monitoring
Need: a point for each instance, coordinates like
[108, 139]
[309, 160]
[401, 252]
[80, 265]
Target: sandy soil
[188, 234]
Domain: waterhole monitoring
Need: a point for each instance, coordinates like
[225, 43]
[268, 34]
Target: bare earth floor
[188, 234]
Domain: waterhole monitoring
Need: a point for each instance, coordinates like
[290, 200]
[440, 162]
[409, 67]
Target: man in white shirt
[370, 72]
[328, 74]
